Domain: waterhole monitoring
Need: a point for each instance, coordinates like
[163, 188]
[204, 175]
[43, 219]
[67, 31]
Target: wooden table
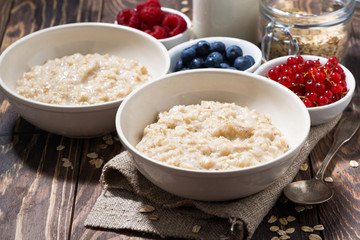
[40, 198]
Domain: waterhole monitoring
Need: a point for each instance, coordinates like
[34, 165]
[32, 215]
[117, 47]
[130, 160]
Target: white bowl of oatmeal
[70, 79]
[214, 135]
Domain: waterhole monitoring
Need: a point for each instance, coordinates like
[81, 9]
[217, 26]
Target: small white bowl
[180, 38]
[320, 114]
[84, 38]
[285, 109]
[247, 47]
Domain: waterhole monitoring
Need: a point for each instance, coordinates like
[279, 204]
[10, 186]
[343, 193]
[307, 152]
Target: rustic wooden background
[42, 199]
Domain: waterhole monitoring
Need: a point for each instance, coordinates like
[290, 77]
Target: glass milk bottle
[229, 18]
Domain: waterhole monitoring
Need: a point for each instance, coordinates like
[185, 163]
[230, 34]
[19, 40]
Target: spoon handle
[346, 128]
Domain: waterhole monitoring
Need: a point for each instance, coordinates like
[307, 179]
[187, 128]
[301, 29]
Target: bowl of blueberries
[215, 52]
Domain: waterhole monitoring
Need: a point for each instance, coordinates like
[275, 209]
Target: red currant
[307, 103]
[335, 77]
[322, 100]
[336, 88]
[299, 59]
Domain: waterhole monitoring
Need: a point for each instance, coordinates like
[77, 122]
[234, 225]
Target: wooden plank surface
[40, 198]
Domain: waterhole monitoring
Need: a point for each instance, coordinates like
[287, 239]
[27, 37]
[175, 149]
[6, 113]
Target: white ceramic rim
[71, 108]
[349, 80]
[255, 168]
[257, 56]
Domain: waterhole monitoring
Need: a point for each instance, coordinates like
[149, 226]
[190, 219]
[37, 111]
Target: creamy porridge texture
[212, 136]
[82, 79]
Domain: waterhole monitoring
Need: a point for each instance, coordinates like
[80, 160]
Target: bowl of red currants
[169, 26]
[323, 84]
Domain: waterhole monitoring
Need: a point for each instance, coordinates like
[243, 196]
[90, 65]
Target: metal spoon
[315, 191]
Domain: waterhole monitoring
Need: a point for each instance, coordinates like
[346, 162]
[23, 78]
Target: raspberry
[129, 17]
[174, 24]
[148, 3]
[151, 16]
[157, 32]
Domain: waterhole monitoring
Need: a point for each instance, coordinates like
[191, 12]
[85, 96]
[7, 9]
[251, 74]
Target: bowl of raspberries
[215, 52]
[323, 84]
[169, 26]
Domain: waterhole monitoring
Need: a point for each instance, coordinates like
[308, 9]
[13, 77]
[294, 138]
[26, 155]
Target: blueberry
[217, 46]
[185, 68]
[188, 54]
[243, 63]
[233, 52]
[179, 65]
[224, 65]
[214, 59]
[196, 63]
[251, 59]
[202, 48]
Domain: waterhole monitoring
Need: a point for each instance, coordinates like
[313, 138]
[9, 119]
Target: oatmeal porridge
[212, 136]
[82, 79]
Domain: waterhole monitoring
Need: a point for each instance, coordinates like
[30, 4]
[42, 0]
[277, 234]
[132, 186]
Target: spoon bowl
[316, 191]
[310, 191]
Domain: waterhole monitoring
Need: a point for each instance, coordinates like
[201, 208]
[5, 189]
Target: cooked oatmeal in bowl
[212, 136]
[210, 114]
[82, 79]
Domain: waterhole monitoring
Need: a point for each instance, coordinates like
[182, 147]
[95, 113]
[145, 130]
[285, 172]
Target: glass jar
[306, 27]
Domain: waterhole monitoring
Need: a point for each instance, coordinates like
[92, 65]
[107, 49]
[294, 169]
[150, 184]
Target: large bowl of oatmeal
[70, 79]
[212, 134]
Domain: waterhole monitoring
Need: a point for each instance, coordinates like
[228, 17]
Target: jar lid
[308, 13]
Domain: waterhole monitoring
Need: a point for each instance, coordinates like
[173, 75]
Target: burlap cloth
[125, 191]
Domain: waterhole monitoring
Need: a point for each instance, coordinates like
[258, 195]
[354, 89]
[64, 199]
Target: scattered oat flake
[284, 237]
[116, 138]
[97, 162]
[290, 218]
[283, 221]
[275, 238]
[274, 228]
[67, 164]
[109, 142]
[107, 137]
[313, 236]
[196, 228]
[92, 155]
[153, 217]
[147, 209]
[307, 229]
[354, 164]
[103, 146]
[281, 232]
[65, 160]
[290, 230]
[304, 167]
[308, 207]
[319, 227]
[299, 208]
[272, 219]
[185, 9]
[185, 2]
[60, 147]
[328, 179]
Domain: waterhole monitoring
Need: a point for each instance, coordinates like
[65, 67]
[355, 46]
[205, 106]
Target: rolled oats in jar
[307, 27]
